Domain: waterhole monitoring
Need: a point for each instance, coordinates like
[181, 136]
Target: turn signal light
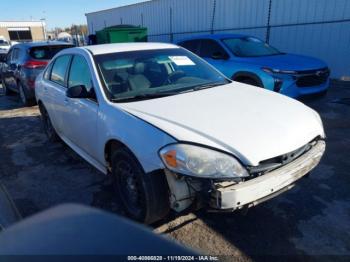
[170, 158]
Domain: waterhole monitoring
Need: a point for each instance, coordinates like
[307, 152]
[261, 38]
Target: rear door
[191, 45]
[55, 91]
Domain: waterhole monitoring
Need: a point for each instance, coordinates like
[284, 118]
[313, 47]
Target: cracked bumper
[250, 193]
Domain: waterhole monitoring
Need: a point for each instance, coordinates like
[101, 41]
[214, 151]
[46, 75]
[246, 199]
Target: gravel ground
[313, 219]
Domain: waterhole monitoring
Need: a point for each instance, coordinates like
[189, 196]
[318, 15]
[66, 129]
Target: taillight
[32, 64]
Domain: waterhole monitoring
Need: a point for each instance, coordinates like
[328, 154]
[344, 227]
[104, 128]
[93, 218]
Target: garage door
[20, 34]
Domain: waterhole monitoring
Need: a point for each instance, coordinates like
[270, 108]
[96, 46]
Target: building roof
[22, 23]
[125, 47]
[113, 8]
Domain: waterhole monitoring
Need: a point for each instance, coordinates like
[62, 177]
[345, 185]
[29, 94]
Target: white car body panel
[253, 124]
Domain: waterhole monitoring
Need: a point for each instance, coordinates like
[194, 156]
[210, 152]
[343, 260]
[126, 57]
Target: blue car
[249, 60]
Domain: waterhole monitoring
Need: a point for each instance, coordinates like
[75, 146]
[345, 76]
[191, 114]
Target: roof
[213, 36]
[125, 47]
[43, 43]
[22, 23]
[113, 8]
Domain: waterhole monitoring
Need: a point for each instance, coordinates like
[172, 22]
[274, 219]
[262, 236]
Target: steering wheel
[174, 76]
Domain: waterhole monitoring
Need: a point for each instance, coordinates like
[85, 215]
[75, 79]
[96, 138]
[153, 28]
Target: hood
[251, 123]
[289, 62]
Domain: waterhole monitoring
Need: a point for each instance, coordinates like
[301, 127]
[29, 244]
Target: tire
[248, 81]
[23, 96]
[143, 197]
[47, 125]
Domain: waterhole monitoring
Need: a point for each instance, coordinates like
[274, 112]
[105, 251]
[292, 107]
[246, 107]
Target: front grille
[312, 78]
[282, 160]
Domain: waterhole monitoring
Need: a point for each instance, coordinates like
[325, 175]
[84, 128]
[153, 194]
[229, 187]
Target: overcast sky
[60, 13]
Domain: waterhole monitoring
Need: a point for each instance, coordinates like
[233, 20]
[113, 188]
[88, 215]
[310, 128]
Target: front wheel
[249, 81]
[143, 197]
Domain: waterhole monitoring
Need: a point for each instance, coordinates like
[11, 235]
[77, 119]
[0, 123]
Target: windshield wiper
[143, 97]
[208, 85]
[164, 94]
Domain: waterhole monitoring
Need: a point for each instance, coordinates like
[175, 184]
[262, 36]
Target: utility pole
[171, 25]
[213, 18]
[268, 27]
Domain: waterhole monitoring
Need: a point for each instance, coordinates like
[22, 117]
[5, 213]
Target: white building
[319, 28]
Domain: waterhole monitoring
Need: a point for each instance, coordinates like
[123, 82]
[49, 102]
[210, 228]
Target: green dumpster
[121, 34]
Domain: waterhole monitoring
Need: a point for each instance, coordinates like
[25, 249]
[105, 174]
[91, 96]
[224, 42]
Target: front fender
[142, 139]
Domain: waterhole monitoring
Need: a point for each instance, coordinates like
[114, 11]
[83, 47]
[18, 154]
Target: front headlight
[278, 71]
[201, 162]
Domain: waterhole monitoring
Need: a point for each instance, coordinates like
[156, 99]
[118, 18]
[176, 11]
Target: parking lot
[311, 219]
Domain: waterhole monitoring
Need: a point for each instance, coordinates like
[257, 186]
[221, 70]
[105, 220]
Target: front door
[81, 118]
[8, 72]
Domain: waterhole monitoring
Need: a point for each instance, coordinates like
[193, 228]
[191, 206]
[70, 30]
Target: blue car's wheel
[249, 81]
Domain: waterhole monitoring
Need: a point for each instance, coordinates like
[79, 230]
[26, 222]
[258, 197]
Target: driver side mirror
[78, 91]
[218, 56]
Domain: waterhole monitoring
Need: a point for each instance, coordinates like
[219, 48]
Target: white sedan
[172, 131]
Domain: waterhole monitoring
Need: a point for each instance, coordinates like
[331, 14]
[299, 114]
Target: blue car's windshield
[249, 47]
[154, 73]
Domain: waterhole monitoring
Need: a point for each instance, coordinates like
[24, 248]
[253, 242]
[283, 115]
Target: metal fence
[319, 28]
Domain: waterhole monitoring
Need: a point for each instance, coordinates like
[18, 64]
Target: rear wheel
[143, 197]
[47, 125]
[23, 96]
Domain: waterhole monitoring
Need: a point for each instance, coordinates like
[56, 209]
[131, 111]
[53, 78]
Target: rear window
[46, 52]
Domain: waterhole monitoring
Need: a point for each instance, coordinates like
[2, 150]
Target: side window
[15, 55]
[210, 48]
[59, 69]
[80, 73]
[191, 45]
[8, 57]
[47, 72]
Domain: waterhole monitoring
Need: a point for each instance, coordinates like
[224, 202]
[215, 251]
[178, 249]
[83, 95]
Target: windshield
[3, 43]
[249, 47]
[144, 74]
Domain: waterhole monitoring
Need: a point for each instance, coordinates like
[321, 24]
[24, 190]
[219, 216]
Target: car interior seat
[138, 80]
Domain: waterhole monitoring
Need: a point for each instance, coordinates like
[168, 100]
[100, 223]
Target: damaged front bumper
[229, 196]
